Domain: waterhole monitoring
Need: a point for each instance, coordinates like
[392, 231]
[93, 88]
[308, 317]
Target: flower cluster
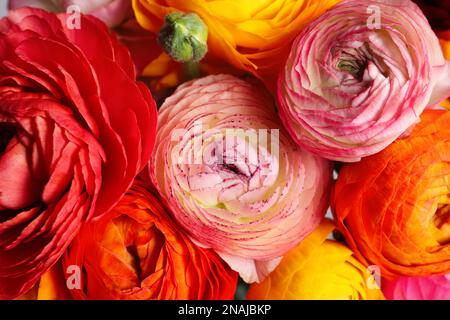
[70, 148]
[137, 252]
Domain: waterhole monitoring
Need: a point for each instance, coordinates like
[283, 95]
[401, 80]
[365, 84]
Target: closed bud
[184, 37]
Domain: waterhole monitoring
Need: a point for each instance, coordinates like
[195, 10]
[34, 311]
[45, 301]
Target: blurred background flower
[112, 12]
[437, 12]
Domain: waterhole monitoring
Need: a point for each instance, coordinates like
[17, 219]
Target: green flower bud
[184, 37]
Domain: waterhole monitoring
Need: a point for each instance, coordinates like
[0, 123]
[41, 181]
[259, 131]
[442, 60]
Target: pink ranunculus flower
[231, 175]
[112, 12]
[359, 76]
[418, 288]
[117, 14]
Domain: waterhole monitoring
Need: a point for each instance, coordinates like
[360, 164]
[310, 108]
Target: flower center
[353, 60]
[144, 248]
[439, 195]
[355, 67]
[356, 58]
[137, 244]
[235, 169]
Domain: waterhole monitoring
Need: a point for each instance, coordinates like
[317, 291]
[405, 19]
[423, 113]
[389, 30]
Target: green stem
[191, 70]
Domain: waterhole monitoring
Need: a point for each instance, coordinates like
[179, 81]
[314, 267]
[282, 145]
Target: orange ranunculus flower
[318, 269]
[253, 36]
[138, 252]
[444, 39]
[394, 207]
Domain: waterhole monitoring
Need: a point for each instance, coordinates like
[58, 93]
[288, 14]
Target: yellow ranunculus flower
[253, 36]
[318, 269]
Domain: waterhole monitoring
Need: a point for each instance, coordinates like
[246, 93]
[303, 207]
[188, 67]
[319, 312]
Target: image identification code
[226, 309]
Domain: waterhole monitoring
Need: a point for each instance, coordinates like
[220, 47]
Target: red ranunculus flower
[75, 129]
[117, 14]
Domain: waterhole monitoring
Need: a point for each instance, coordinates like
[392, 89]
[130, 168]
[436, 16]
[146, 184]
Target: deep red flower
[75, 129]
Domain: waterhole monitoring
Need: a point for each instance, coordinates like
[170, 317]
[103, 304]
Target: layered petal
[359, 76]
[75, 130]
[231, 175]
[117, 14]
[393, 207]
[254, 36]
[137, 252]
